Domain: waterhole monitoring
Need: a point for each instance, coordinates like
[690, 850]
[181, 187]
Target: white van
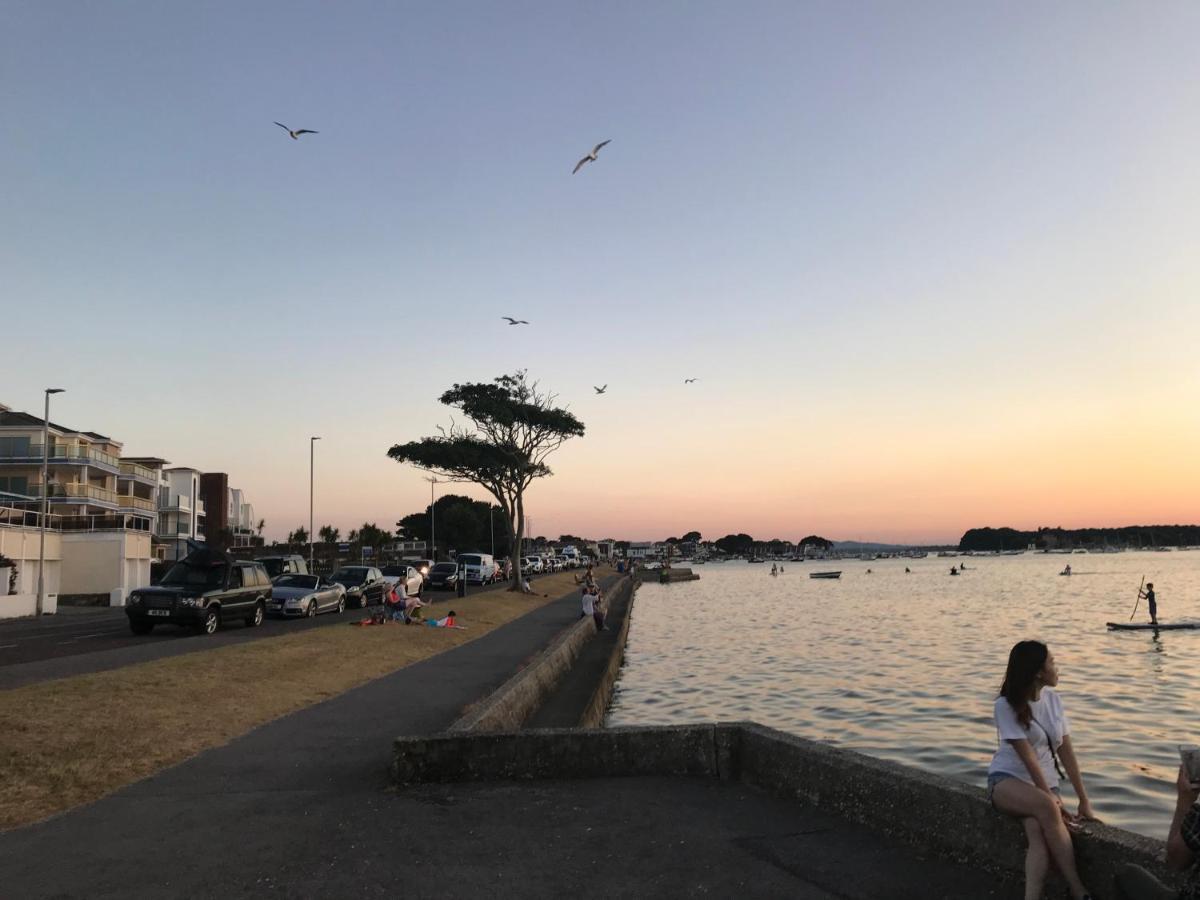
[479, 568]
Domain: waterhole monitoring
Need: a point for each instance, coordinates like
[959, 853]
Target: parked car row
[208, 589]
[546, 563]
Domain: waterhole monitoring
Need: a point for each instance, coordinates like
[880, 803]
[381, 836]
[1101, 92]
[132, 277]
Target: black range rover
[201, 591]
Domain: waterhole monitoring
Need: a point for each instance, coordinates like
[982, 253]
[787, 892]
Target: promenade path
[301, 807]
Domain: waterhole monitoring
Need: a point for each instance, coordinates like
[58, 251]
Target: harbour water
[906, 666]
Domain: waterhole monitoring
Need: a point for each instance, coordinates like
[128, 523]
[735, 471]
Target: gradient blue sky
[934, 264]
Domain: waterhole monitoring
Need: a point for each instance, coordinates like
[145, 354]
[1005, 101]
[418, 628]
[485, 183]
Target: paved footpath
[301, 807]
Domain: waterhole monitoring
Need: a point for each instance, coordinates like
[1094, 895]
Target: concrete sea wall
[926, 810]
[519, 698]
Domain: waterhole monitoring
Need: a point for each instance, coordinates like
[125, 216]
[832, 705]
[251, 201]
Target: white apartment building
[180, 511]
[102, 512]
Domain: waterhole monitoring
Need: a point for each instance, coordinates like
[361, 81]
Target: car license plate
[159, 612]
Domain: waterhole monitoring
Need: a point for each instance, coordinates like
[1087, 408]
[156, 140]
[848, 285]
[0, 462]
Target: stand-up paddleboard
[1146, 626]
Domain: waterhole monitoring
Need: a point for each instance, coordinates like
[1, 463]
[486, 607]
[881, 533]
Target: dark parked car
[203, 590]
[443, 576]
[364, 584]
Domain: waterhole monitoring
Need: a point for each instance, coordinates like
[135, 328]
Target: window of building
[14, 446]
[15, 484]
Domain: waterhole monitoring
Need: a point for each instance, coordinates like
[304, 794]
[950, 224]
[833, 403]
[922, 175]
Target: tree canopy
[461, 523]
[513, 428]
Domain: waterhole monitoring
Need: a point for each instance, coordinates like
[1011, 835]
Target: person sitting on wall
[1183, 851]
[1032, 734]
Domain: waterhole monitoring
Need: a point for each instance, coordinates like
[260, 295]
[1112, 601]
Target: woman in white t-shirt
[1033, 735]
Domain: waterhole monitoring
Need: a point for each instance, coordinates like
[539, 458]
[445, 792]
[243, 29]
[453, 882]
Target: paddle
[1139, 597]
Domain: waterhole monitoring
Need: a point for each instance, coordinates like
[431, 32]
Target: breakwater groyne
[567, 684]
[927, 811]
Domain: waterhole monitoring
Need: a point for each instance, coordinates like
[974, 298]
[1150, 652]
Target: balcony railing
[62, 452]
[133, 470]
[24, 518]
[73, 491]
[127, 501]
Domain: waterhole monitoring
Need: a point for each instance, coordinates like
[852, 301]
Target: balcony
[171, 502]
[135, 472]
[86, 493]
[127, 501]
[61, 453]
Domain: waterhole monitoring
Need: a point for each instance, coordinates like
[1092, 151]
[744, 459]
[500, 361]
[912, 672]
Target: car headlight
[135, 599]
[189, 601]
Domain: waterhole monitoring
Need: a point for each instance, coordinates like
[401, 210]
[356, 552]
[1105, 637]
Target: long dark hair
[1025, 660]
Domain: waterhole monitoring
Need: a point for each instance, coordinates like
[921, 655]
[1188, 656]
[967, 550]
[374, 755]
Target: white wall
[21, 546]
[105, 562]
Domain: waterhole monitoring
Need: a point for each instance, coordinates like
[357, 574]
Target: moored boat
[825, 574]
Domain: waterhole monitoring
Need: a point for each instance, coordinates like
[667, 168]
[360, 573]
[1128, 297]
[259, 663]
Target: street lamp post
[312, 443]
[41, 590]
[492, 529]
[432, 479]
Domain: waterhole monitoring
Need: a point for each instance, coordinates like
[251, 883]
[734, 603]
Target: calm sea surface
[907, 666]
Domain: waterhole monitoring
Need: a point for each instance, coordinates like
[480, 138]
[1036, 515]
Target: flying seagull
[295, 135]
[591, 157]
[599, 390]
[512, 321]
[690, 380]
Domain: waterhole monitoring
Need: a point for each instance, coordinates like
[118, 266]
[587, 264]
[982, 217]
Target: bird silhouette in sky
[512, 321]
[591, 157]
[690, 380]
[295, 135]
[599, 390]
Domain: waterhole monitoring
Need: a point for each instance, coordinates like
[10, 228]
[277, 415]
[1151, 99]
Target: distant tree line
[1059, 538]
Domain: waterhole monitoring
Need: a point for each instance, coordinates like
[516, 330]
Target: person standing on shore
[1148, 596]
[1183, 851]
[1023, 777]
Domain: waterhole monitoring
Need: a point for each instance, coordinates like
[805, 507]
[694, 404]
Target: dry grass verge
[67, 742]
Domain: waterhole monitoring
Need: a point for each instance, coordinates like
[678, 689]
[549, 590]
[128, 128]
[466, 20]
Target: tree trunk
[518, 535]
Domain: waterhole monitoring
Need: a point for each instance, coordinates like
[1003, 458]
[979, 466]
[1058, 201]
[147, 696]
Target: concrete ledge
[931, 812]
[510, 705]
[593, 715]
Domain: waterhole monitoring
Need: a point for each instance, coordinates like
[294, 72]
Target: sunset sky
[934, 265]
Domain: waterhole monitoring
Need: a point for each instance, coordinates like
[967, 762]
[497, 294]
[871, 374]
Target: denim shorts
[994, 778]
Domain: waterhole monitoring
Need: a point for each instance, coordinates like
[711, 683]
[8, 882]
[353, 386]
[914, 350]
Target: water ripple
[905, 667]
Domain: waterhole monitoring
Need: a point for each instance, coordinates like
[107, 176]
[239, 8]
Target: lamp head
[55, 390]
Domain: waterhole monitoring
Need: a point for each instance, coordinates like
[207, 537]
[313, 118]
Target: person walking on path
[1183, 851]
[597, 606]
[1148, 596]
[1033, 735]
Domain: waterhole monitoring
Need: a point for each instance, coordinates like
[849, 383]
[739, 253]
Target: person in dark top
[1148, 596]
[1183, 851]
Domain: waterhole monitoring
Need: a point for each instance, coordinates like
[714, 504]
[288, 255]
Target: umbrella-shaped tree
[513, 428]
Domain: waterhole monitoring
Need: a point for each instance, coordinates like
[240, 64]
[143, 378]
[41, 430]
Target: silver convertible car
[305, 595]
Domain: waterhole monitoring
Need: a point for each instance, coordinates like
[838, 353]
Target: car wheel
[256, 618]
[312, 608]
[212, 621]
[140, 627]
[341, 607]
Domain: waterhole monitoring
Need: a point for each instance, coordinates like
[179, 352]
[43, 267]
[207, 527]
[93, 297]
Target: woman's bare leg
[1037, 860]
[1022, 800]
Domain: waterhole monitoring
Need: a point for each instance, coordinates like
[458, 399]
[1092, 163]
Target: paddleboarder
[1148, 596]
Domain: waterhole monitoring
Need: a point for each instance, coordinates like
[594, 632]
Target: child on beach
[1033, 735]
